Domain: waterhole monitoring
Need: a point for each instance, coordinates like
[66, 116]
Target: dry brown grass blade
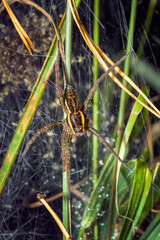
[16, 23]
[30, 3]
[155, 211]
[99, 54]
[25, 38]
[54, 215]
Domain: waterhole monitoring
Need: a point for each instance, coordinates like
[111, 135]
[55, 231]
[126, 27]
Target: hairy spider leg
[58, 89]
[99, 80]
[49, 126]
[106, 144]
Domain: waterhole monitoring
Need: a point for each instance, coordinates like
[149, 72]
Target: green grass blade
[66, 206]
[153, 231]
[126, 70]
[137, 130]
[150, 74]
[68, 55]
[136, 110]
[141, 186]
[121, 114]
[97, 196]
[95, 105]
[153, 196]
[68, 43]
[147, 25]
[95, 97]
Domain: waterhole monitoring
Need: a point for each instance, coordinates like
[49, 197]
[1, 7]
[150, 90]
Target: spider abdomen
[71, 98]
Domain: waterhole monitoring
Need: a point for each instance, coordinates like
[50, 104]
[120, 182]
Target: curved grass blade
[136, 110]
[41, 198]
[153, 231]
[153, 196]
[120, 121]
[25, 38]
[137, 130]
[141, 186]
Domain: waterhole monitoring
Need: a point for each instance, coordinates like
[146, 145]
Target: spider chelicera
[76, 123]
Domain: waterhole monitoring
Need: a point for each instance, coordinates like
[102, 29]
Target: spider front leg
[103, 141]
[47, 127]
[93, 89]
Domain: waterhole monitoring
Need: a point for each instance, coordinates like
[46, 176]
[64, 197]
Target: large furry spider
[76, 123]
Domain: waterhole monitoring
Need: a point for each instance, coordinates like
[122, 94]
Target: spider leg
[60, 53]
[61, 48]
[106, 144]
[93, 89]
[47, 127]
[59, 92]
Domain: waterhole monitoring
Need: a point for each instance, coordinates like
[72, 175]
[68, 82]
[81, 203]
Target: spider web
[41, 168]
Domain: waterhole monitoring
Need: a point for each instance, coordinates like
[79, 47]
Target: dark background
[41, 168]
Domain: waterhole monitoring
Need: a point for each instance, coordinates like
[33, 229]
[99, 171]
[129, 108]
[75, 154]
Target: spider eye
[71, 98]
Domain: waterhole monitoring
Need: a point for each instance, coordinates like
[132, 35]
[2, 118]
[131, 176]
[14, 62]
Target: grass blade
[136, 110]
[141, 186]
[126, 70]
[66, 184]
[152, 231]
[95, 105]
[97, 197]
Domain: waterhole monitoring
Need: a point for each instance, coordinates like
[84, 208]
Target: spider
[76, 122]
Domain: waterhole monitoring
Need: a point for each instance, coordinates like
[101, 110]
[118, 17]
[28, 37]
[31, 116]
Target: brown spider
[76, 123]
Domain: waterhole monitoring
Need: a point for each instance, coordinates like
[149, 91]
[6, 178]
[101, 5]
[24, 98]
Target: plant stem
[66, 204]
[122, 114]
[95, 105]
[68, 53]
[147, 25]
[68, 43]
[126, 70]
